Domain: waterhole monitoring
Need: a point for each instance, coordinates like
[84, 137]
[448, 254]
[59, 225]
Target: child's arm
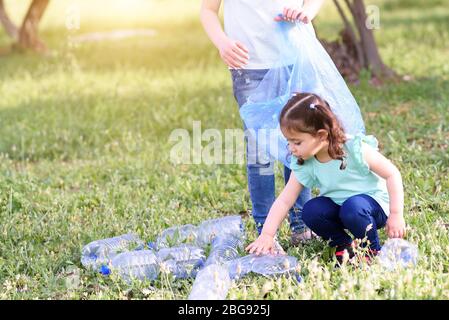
[279, 210]
[384, 168]
[305, 14]
[233, 53]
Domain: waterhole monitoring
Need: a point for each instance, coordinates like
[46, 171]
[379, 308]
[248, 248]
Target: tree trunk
[351, 34]
[28, 35]
[9, 26]
[356, 49]
[373, 61]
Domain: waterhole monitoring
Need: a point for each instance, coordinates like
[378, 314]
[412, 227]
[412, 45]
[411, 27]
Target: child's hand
[395, 226]
[233, 53]
[264, 244]
[293, 14]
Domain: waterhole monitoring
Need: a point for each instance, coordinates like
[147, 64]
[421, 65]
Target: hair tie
[312, 106]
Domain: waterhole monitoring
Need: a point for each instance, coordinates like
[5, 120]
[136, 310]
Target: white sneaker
[302, 237]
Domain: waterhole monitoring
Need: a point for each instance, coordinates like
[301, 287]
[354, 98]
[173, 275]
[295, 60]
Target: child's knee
[354, 208]
[357, 220]
[311, 212]
[307, 216]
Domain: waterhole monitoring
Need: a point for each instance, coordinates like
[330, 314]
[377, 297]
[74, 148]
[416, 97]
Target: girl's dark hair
[307, 112]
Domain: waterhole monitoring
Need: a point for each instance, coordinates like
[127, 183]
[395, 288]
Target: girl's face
[304, 145]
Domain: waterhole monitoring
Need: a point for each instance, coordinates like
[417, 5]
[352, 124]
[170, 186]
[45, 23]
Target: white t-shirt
[252, 23]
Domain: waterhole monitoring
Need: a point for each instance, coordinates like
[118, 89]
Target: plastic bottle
[224, 247]
[100, 252]
[209, 229]
[211, 283]
[240, 267]
[398, 253]
[267, 265]
[272, 265]
[183, 261]
[142, 264]
[177, 235]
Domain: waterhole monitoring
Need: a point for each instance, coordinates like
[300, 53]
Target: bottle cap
[152, 245]
[104, 270]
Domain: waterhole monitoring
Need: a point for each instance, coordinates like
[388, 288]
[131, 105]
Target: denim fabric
[260, 172]
[329, 220]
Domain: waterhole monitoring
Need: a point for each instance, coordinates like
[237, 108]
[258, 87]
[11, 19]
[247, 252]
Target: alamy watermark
[211, 146]
[373, 17]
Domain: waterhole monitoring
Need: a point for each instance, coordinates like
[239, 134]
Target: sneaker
[353, 258]
[344, 254]
[299, 237]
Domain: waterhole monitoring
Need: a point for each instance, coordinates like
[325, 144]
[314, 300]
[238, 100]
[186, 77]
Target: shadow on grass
[85, 125]
[67, 126]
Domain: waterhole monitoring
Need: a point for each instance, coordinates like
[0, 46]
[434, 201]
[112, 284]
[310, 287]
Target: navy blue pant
[329, 220]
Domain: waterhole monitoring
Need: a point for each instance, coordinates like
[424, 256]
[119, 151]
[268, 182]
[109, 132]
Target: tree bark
[9, 26]
[351, 34]
[356, 48]
[28, 35]
[373, 61]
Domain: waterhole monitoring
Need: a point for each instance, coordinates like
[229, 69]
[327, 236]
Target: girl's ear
[323, 134]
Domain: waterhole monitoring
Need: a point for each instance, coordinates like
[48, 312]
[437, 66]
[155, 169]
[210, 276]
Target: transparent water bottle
[272, 265]
[209, 229]
[141, 265]
[267, 265]
[398, 253]
[211, 283]
[185, 234]
[240, 267]
[183, 261]
[99, 252]
[224, 248]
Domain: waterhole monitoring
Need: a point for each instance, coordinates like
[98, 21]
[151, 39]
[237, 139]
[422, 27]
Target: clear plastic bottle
[211, 283]
[141, 265]
[267, 265]
[224, 247]
[183, 261]
[240, 267]
[185, 234]
[273, 265]
[209, 229]
[398, 253]
[99, 252]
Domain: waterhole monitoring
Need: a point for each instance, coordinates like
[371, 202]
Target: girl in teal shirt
[360, 190]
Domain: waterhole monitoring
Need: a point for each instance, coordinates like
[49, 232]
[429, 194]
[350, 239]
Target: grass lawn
[84, 150]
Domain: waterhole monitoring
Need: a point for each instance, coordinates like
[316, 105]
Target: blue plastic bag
[304, 66]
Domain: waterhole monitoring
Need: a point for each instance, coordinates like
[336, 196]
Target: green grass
[84, 151]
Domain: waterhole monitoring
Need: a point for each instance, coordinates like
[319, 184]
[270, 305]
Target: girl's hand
[395, 226]
[264, 244]
[297, 13]
[233, 53]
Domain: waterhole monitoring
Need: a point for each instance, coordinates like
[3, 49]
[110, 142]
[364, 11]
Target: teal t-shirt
[340, 185]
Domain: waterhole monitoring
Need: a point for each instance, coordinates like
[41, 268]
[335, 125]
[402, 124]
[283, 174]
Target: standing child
[360, 190]
[248, 50]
